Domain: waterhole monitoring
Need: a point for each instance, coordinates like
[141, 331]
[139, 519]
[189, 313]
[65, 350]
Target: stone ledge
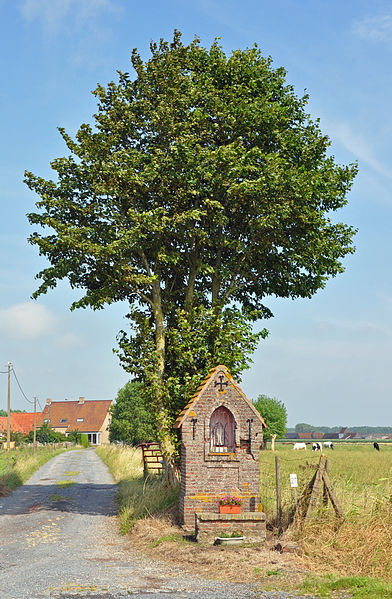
[209, 525]
[245, 516]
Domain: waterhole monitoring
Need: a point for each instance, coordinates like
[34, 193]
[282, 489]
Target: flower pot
[229, 509]
[230, 540]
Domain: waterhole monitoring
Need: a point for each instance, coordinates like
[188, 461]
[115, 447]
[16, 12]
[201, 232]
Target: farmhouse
[87, 416]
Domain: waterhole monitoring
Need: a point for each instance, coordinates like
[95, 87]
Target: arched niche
[222, 431]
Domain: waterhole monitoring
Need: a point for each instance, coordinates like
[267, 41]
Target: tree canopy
[303, 427]
[202, 188]
[132, 420]
[275, 415]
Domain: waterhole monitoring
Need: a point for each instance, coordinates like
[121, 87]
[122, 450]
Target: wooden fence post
[325, 491]
[278, 494]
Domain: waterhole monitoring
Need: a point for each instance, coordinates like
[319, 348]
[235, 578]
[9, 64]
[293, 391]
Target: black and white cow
[329, 445]
[317, 446]
[376, 446]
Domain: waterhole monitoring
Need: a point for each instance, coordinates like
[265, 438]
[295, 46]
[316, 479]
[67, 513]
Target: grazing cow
[329, 445]
[376, 446]
[317, 446]
[299, 446]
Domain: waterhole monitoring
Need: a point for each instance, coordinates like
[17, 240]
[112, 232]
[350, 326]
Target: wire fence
[278, 496]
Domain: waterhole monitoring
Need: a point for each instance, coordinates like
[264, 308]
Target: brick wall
[206, 474]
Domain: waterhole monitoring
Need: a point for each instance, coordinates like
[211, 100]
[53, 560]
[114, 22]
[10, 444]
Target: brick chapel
[221, 434]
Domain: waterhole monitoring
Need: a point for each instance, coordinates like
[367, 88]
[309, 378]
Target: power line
[21, 390]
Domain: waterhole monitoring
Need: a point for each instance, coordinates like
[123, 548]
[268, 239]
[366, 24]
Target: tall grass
[23, 467]
[137, 497]
[362, 480]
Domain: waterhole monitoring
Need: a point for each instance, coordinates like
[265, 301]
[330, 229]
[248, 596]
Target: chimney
[48, 401]
[81, 400]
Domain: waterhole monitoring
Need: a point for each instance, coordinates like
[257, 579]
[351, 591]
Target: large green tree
[275, 415]
[132, 419]
[202, 188]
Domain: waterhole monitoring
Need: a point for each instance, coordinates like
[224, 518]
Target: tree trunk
[273, 437]
[188, 302]
[164, 425]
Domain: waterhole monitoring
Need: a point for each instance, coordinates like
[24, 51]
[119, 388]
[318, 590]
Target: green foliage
[376, 431]
[18, 437]
[195, 343]
[3, 413]
[45, 434]
[302, 427]
[132, 418]
[74, 436]
[275, 415]
[84, 440]
[203, 187]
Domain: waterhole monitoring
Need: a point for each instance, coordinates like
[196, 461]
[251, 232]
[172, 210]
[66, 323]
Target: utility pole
[35, 426]
[9, 415]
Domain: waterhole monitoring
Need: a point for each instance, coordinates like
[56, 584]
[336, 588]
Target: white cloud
[355, 328]
[357, 145]
[26, 321]
[377, 29]
[69, 341]
[52, 13]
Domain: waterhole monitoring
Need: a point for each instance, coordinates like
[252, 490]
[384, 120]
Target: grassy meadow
[361, 476]
[362, 480]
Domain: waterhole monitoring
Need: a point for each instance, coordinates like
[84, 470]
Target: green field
[362, 479]
[362, 476]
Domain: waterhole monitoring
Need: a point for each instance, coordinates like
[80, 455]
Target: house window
[64, 420]
[222, 435]
[79, 419]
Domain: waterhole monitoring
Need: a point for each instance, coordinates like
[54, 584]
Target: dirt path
[59, 539]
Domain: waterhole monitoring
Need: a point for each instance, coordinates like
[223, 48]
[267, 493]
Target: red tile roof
[92, 411]
[22, 423]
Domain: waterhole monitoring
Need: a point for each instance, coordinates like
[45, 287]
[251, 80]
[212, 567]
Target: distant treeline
[302, 427]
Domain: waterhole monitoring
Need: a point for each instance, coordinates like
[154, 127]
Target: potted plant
[229, 505]
[235, 538]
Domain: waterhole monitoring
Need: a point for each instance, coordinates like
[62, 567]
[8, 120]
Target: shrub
[84, 440]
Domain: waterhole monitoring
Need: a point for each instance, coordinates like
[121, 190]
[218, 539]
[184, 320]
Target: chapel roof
[200, 390]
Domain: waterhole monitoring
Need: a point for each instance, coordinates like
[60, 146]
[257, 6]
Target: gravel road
[62, 542]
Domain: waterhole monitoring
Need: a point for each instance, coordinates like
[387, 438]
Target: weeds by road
[137, 497]
[23, 465]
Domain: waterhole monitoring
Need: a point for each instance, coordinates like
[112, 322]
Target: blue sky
[329, 358]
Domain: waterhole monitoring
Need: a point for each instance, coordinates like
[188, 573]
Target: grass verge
[358, 587]
[24, 467]
[137, 497]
